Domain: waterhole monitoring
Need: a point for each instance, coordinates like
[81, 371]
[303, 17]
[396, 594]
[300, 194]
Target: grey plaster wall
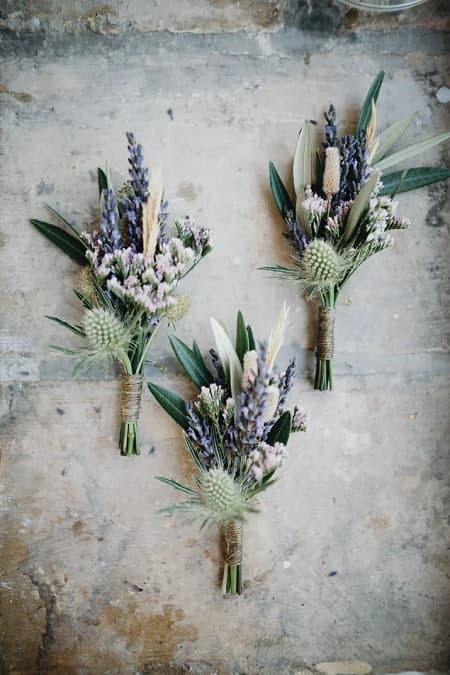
[349, 560]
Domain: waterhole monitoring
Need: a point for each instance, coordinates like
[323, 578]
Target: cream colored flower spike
[276, 336]
[150, 214]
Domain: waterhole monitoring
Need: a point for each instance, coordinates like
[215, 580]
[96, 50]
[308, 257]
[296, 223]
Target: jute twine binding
[325, 333]
[233, 540]
[130, 397]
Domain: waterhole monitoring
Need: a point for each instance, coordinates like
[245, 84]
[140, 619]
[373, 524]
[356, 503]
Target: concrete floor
[93, 579]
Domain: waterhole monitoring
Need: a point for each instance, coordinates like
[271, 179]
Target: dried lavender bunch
[236, 430]
[131, 270]
[347, 215]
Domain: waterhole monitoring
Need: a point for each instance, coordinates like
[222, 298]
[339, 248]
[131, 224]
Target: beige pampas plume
[250, 367]
[276, 336]
[332, 172]
[150, 214]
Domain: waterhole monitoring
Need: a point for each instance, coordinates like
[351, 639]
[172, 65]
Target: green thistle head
[104, 331]
[222, 497]
[321, 263]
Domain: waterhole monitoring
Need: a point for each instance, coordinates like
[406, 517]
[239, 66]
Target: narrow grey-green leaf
[173, 404]
[102, 181]
[301, 169]
[301, 166]
[251, 338]
[412, 179]
[411, 151]
[281, 430]
[229, 359]
[70, 225]
[241, 337]
[193, 368]
[176, 485]
[390, 136]
[279, 192]
[366, 109]
[75, 329]
[360, 205]
[64, 241]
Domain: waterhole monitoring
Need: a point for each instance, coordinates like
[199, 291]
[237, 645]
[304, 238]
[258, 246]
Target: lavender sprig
[132, 204]
[109, 225]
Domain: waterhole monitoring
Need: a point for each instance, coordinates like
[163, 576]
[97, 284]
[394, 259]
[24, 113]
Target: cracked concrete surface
[349, 560]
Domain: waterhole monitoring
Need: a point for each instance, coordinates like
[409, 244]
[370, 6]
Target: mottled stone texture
[349, 560]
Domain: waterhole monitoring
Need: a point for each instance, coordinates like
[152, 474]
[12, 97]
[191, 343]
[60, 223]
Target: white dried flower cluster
[273, 396]
[148, 283]
[266, 459]
[210, 401]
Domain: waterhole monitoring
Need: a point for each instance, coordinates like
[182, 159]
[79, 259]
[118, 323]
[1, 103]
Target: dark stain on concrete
[160, 634]
[438, 196]
[21, 96]
[49, 601]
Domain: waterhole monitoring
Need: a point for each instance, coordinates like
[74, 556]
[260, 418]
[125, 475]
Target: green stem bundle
[232, 572]
[325, 340]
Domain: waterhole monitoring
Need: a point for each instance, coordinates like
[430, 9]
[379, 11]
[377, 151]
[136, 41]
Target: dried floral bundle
[131, 268]
[344, 209]
[236, 431]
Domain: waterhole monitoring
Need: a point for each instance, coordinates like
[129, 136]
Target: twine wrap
[233, 540]
[325, 333]
[130, 397]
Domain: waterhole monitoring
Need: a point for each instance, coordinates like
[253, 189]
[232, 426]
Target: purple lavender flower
[252, 404]
[331, 137]
[109, 225]
[355, 169]
[200, 432]
[286, 381]
[132, 205]
[299, 419]
[295, 232]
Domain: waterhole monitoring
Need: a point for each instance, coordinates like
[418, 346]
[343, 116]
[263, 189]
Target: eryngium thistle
[321, 263]
[221, 496]
[104, 331]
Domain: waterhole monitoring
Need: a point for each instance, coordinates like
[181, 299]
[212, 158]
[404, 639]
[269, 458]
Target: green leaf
[173, 404]
[71, 246]
[279, 192]
[193, 452]
[229, 359]
[301, 167]
[193, 368]
[199, 356]
[366, 109]
[75, 329]
[102, 181]
[281, 271]
[241, 337]
[70, 225]
[390, 136]
[360, 205]
[86, 303]
[411, 151]
[176, 485]
[412, 179]
[251, 339]
[301, 170]
[281, 430]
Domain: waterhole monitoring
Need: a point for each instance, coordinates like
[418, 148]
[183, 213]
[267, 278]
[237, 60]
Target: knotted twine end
[234, 539]
[325, 333]
[130, 397]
